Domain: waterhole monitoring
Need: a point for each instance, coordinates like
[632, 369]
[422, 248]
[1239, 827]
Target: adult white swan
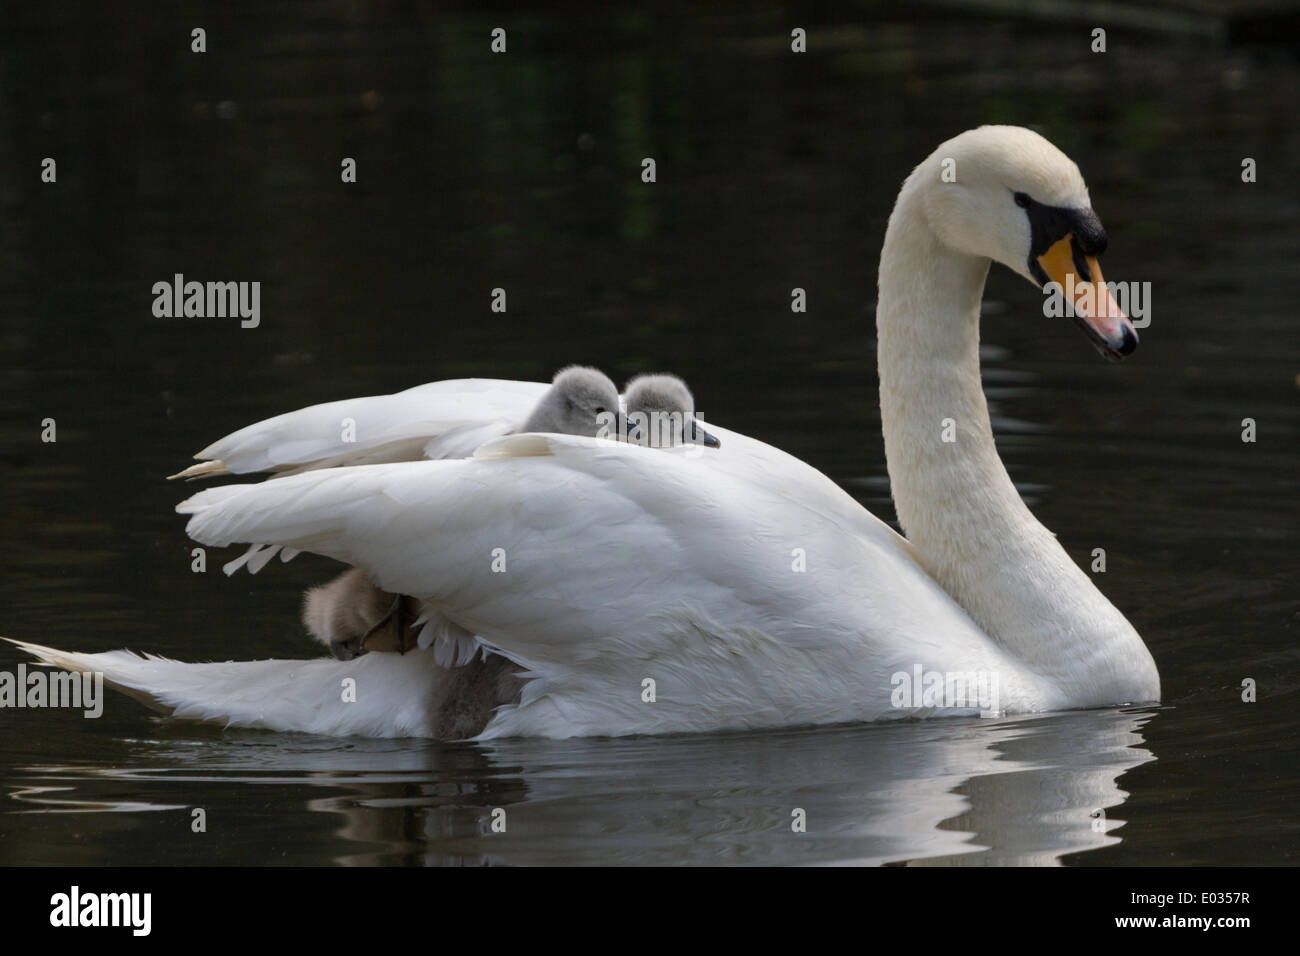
[748, 587]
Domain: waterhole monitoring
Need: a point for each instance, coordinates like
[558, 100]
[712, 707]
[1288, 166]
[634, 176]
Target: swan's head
[580, 401]
[661, 411]
[1006, 193]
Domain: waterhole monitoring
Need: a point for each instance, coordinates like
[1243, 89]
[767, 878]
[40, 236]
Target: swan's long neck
[949, 484]
[955, 501]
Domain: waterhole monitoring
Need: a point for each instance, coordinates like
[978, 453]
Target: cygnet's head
[1006, 193]
[661, 412]
[580, 401]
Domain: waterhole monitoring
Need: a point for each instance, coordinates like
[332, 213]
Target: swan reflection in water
[1019, 791]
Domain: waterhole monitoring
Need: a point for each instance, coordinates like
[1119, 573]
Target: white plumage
[438, 420]
[745, 584]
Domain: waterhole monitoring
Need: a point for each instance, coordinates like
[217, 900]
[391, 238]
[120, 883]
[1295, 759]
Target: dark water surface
[522, 172]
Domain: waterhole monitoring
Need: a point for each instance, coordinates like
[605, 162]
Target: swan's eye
[1023, 200]
[600, 410]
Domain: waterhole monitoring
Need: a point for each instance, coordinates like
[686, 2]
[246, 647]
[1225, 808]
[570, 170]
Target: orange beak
[1089, 299]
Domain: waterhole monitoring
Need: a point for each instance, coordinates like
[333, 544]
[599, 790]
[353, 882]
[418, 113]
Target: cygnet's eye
[600, 410]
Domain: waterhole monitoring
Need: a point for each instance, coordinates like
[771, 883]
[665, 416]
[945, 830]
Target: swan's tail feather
[377, 695]
[120, 669]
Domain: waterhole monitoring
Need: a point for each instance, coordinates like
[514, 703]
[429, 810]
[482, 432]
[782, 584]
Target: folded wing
[438, 420]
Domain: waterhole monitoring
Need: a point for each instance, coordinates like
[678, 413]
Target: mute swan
[350, 615]
[652, 591]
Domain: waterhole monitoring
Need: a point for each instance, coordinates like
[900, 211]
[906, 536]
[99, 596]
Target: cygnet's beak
[611, 426]
[701, 437]
[628, 430]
